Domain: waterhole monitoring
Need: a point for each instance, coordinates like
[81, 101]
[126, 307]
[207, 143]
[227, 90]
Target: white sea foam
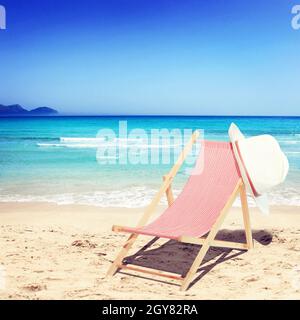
[66, 145]
[128, 140]
[133, 198]
[113, 144]
[136, 197]
[81, 140]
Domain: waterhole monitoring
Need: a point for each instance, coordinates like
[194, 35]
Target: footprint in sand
[35, 287]
[83, 244]
[252, 279]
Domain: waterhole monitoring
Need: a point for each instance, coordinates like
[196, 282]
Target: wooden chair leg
[246, 217]
[118, 261]
[197, 262]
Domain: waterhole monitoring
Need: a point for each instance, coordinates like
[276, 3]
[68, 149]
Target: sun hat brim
[261, 201]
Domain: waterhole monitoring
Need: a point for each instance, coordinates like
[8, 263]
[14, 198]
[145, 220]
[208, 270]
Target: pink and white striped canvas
[197, 208]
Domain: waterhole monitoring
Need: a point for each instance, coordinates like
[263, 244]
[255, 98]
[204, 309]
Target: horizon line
[147, 115]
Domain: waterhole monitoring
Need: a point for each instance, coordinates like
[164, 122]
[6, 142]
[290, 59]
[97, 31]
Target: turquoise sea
[53, 159]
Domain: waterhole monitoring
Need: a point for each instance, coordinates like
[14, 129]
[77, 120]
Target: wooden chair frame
[205, 243]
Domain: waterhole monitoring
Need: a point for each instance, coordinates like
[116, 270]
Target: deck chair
[198, 211]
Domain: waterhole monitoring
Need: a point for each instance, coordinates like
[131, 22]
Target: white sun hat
[261, 162]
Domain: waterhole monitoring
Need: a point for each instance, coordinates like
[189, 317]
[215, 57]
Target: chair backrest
[205, 194]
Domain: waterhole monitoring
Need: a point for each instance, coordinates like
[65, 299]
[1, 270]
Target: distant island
[16, 110]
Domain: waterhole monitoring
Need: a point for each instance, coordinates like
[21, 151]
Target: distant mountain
[43, 111]
[16, 110]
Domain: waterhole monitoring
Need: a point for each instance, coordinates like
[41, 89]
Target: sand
[63, 252]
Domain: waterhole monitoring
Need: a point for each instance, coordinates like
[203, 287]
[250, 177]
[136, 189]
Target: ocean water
[54, 159]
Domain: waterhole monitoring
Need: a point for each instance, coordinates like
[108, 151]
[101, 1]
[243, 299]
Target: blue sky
[188, 57]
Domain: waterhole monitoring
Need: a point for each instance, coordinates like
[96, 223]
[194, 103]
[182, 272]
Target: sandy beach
[63, 252]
